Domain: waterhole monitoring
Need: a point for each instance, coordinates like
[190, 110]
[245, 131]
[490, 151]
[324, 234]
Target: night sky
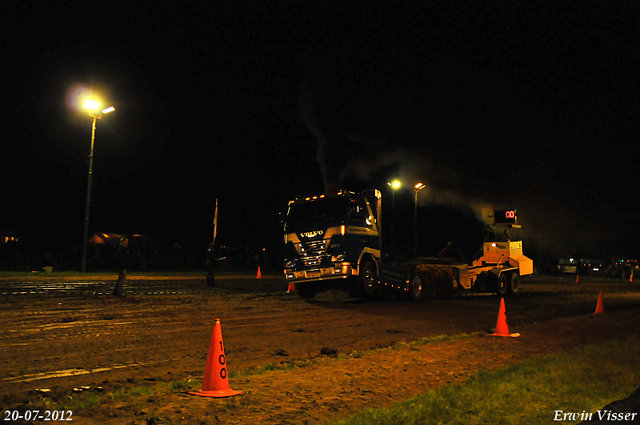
[527, 105]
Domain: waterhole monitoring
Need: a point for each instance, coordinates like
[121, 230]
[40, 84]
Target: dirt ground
[342, 348]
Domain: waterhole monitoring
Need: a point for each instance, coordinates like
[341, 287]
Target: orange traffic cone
[600, 305]
[577, 278]
[502, 329]
[259, 274]
[291, 288]
[215, 382]
[631, 277]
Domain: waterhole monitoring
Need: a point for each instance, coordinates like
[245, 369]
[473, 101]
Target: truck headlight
[337, 258]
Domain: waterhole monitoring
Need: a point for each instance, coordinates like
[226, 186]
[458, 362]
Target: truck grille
[311, 252]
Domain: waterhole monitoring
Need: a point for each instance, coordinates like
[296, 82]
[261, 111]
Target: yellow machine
[497, 271]
[502, 254]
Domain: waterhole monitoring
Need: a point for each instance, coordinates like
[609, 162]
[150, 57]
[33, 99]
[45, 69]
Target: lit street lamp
[417, 188]
[93, 106]
[395, 185]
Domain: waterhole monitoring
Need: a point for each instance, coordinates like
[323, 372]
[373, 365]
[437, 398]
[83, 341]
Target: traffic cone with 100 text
[215, 382]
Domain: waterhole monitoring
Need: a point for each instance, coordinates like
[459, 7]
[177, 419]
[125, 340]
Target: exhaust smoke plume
[469, 160]
[554, 221]
[329, 155]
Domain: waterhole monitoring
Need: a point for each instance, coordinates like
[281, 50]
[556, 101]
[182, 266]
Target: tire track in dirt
[336, 388]
[167, 337]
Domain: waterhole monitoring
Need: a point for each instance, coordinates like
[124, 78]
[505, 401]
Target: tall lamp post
[395, 185]
[417, 188]
[93, 106]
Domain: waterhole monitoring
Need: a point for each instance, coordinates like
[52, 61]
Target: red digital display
[505, 216]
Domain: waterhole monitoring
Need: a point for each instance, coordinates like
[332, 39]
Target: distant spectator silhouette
[123, 260]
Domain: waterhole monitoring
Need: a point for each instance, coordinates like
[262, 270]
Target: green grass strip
[530, 392]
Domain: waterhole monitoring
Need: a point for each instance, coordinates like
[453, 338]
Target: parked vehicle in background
[622, 268]
[568, 265]
[590, 266]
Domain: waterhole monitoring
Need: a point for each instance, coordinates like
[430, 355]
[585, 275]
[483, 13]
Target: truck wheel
[514, 283]
[417, 287]
[368, 280]
[306, 290]
[503, 285]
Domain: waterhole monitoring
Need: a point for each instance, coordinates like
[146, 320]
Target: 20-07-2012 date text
[38, 415]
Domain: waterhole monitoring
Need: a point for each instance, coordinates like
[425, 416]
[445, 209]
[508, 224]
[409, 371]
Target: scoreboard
[505, 216]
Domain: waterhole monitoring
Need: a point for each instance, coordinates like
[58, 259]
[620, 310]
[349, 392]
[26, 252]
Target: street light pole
[395, 184]
[93, 106]
[416, 189]
[85, 238]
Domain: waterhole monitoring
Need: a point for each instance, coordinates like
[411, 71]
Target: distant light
[109, 109]
[395, 184]
[92, 104]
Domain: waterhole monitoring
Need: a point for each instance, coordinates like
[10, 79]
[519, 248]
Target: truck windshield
[324, 211]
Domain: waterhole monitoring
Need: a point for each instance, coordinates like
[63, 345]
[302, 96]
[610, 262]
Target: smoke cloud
[481, 155]
[555, 218]
[329, 155]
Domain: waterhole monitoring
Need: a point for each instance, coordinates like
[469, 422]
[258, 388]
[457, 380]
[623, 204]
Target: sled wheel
[503, 285]
[514, 283]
